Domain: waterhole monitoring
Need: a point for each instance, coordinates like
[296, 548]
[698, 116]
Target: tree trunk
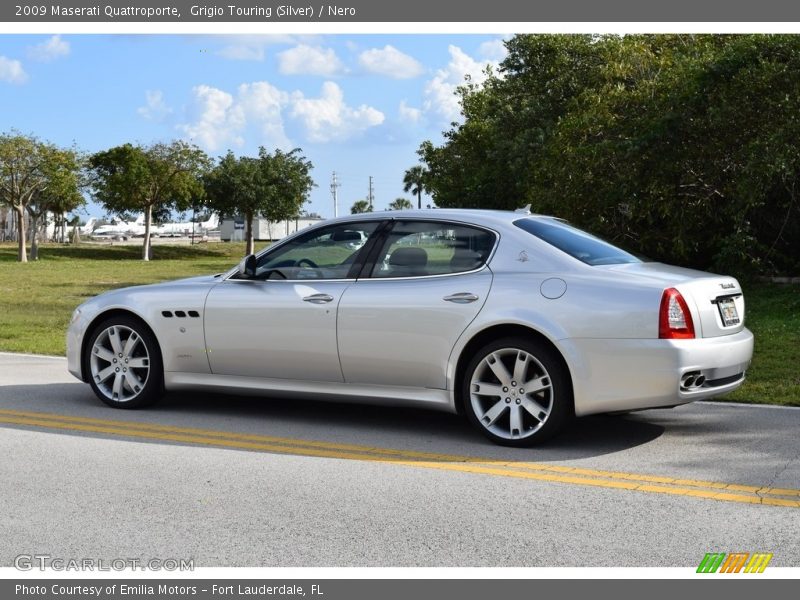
[146, 250]
[34, 240]
[22, 255]
[248, 232]
[419, 197]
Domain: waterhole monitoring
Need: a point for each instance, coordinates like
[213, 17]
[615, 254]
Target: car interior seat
[408, 262]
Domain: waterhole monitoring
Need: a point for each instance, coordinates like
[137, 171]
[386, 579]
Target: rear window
[578, 244]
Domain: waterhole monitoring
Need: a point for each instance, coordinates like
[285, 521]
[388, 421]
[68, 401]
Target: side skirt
[312, 390]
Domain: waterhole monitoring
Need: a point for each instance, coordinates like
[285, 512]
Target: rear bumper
[619, 375]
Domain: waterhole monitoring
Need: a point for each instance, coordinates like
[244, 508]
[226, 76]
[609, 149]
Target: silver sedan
[517, 321]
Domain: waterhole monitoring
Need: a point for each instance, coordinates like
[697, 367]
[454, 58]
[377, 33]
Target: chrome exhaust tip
[692, 380]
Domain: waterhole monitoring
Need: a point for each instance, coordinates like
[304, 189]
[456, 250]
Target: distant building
[263, 230]
[47, 231]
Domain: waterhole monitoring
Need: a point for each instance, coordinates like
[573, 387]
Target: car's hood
[211, 279]
[201, 284]
[200, 280]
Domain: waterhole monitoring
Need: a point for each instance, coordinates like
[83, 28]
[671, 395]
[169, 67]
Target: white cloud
[51, 49]
[440, 98]
[155, 108]
[328, 117]
[222, 119]
[409, 113]
[253, 47]
[214, 124]
[389, 61]
[493, 50]
[309, 60]
[11, 71]
[242, 52]
[262, 104]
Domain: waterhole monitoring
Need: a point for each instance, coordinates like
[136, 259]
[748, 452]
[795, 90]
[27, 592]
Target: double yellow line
[712, 490]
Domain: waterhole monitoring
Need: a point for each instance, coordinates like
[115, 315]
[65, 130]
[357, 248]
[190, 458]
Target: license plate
[727, 309]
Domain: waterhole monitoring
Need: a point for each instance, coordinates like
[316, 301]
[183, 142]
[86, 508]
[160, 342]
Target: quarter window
[421, 248]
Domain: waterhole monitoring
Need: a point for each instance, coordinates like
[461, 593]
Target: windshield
[578, 244]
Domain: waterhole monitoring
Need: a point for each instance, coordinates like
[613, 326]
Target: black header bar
[400, 11]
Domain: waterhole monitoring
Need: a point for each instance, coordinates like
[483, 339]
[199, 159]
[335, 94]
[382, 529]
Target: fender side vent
[194, 313]
[180, 313]
[166, 313]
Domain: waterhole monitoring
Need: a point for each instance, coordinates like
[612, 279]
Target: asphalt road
[230, 481]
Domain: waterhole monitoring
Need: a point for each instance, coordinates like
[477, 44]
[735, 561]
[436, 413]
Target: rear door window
[424, 248]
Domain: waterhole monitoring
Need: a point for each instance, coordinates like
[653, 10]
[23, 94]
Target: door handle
[461, 298]
[318, 298]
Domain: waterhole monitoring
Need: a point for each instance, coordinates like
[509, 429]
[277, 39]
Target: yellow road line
[540, 472]
[412, 454]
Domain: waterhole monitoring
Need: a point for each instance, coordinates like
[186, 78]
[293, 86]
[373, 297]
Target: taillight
[674, 319]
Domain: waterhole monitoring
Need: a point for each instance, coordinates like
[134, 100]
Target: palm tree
[414, 182]
[400, 204]
[360, 206]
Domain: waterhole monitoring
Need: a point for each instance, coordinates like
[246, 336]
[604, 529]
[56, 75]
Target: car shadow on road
[364, 425]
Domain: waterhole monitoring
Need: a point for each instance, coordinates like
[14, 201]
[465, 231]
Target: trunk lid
[715, 301]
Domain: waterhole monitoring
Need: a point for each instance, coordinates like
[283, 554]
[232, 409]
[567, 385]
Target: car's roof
[467, 215]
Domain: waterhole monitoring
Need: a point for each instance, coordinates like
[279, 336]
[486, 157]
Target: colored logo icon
[735, 562]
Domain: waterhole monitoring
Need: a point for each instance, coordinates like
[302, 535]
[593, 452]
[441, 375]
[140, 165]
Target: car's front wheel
[125, 369]
[517, 392]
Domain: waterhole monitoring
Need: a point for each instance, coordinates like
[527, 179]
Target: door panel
[277, 329]
[401, 331]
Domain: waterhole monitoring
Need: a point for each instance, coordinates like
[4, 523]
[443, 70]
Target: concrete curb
[32, 355]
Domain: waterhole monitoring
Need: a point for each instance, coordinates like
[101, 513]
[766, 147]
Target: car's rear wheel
[517, 392]
[124, 362]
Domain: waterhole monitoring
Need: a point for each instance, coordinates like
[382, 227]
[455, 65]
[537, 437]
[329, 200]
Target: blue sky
[356, 104]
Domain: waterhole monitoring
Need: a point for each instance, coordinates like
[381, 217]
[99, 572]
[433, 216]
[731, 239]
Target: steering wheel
[311, 265]
[308, 262]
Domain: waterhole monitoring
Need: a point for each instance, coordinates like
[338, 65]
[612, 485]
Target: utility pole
[371, 195]
[335, 185]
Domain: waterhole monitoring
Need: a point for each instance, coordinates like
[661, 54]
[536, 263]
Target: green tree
[414, 181]
[285, 182]
[400, 204]
[156, 178]
[62, 193]
[28, 168]
[682, 147]
[485, 161]
[274, 186]
[359, 207]
[232, 189]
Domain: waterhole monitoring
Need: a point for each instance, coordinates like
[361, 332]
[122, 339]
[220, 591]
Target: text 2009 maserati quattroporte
[518, 321]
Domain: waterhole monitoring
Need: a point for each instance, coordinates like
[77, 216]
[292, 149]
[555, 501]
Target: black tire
[146, 349]
[491, 414]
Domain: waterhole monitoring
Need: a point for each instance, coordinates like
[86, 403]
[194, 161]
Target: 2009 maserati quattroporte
[518, 321]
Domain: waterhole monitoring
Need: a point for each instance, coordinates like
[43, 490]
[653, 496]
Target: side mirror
[247, 268]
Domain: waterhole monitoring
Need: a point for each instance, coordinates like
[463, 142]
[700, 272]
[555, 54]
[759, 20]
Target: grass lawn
[37, 299]
[773, 315]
